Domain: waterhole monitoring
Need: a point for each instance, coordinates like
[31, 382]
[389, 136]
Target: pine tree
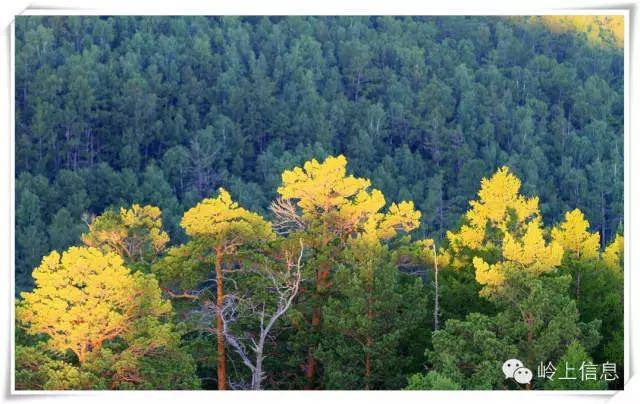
[135, 234]
[83, 298]
[223, 226]
[335, 207]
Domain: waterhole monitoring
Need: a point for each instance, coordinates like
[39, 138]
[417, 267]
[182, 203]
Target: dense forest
[317, 202]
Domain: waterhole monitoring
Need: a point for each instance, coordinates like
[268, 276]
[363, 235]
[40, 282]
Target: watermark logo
[514, 369]
[523, 376]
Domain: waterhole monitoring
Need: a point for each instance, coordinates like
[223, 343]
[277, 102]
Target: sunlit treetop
[598, 29]
[401, 217]
[223, 222]
[324, 191]
[323, 187]
[531, 250]
[505, 222]
[613, 255]
[574, 236]
[85, 297]
[499, 205]
[135, 234]
[530, 253]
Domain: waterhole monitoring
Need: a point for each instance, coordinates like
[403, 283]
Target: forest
[318, 202]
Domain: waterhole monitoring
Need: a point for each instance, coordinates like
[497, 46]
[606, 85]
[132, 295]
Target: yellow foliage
[400, 217]
[496, 197]
[322, 187]
[467, 237]
[224, 222]
[574, 236]
[498, 203]
[85, 297]
[489, 275]
[598, 29]
[531, 251]
[613, 255]
[324, 191]
[128, 233]
[149, 217]
[353, 212]
[503, 219]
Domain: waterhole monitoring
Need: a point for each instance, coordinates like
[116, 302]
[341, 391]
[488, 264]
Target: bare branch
[228, 313]
[286, 285]
[286, 217]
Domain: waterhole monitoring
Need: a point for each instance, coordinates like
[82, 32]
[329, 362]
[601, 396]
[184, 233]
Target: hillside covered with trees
[115, 111]
[316, 202]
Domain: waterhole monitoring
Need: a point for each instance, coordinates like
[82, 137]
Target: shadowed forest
[318, 202]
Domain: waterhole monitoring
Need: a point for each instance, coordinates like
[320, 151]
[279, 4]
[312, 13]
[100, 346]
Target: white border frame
[240, 7]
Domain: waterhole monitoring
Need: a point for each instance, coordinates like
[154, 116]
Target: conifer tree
[222, 226]
[334, 208]
[580, 246]
[84, 298]
[135, 234]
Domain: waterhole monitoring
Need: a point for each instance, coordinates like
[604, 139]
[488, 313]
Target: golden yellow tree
[506, 222]
[335, 205]
[505, 239]
[224, 226]
[135, 234]
[85, 297]
[613, 255]
[499, 206]
[574, 236]
[580, 245]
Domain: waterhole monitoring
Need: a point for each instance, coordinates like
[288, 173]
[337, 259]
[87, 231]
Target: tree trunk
[256, 377]
[529, 321]
[82, 355]
[441, 212]
[322, 282]
[367, 363]
[222, 364]
[310, 368]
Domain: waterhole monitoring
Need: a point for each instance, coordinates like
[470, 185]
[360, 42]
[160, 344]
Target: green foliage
[63, 230]
[471, 351]
[538, 315]
[374, 323]
[575, 363]
[431, 381]
[36, 370]
[170, 368]
[602, 300]
[614, 353]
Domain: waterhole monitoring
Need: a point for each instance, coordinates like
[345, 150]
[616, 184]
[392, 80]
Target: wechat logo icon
[514, 369]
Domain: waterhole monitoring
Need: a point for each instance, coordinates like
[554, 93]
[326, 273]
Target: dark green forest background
[164, 110]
